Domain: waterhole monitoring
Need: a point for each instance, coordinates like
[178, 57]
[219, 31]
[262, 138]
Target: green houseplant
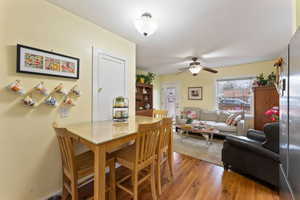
[147, 79]
[261, 80]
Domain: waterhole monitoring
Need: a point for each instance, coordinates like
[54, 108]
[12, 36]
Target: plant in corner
[260, 79]
[147, 79]
[268, 81]
[140, 78]
[271, 79]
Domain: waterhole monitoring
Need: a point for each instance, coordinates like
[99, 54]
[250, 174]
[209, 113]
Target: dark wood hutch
[144, 99]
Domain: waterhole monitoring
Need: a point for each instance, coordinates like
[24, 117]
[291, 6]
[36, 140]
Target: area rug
[196, 146]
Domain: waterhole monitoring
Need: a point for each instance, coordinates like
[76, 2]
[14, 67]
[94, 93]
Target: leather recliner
[256, 155]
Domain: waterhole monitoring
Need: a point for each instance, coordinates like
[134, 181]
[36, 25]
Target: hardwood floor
[200, 180]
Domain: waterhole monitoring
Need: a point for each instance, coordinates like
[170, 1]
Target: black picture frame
[42, 71]
[200, 93]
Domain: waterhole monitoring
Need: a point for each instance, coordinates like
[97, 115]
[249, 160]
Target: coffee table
[206, 132]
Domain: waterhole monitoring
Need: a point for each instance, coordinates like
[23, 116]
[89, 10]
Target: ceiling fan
[195, 67]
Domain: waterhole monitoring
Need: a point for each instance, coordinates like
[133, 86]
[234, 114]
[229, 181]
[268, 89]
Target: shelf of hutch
[144, 99]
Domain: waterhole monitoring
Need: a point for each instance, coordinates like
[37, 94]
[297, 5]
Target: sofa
[256, 155]
[215, 119]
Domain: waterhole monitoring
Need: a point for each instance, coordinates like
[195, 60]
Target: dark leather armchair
[256, 155]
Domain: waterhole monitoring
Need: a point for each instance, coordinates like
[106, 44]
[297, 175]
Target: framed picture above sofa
[195, 93]
[37, 61]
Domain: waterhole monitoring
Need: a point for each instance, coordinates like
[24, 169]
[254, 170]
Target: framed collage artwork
[37, 61]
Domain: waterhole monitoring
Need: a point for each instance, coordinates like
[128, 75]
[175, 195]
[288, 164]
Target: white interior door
[170, 98]
[109, 81]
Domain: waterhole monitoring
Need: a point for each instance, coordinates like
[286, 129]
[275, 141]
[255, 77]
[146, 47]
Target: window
[235, 94]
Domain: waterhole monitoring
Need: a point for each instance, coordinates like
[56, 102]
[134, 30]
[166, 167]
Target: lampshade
[195, 69]
[145, 25]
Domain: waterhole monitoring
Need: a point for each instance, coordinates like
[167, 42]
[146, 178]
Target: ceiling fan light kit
[146, 25]
[195, 67]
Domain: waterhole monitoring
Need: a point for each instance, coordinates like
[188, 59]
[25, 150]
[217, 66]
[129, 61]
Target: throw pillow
[230, 119]
[236, 120]
[223, 115]
[191, 114]
[207, 115]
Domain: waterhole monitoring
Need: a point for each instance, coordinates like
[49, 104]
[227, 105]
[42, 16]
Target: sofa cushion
[229, 120]
[236, 120]
[221, 126]
[181, 121]
[222, 116]
[209, 115]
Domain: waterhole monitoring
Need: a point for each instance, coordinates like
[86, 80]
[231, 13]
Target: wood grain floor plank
[199, 180]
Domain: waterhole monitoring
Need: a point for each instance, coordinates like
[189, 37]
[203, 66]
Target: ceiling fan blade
[178, 73]
[210, 70]
[183, 69]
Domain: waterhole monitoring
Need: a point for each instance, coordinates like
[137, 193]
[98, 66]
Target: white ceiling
[220, 32]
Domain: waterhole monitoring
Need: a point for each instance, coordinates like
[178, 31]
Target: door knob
[99, 90]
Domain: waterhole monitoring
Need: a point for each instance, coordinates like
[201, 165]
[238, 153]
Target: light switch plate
[64, 112]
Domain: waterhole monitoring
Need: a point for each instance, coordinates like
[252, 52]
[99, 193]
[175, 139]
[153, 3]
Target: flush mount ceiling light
[145, 25]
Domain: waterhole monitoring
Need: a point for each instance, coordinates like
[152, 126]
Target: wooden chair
[140, 158]
[164, 151]
[160, 113]
[79, 169]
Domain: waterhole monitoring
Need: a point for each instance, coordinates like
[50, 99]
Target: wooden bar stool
[79, 169]
[140, 158]
[160, 113]
[164, 150]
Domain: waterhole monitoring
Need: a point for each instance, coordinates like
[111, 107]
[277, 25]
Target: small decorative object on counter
[42, 89]
[120, 109]
[51, 101]
[120, 102]
[60, 89]
[69, 101]
[75, 91]
[28, 101]
[16, 87]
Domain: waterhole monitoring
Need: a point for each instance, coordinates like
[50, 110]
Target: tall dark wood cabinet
[144, 99]
[264, 99]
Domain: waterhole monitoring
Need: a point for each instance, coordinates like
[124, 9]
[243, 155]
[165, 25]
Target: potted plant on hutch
[144, 94]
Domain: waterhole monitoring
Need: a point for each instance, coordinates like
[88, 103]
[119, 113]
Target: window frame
[231, 79]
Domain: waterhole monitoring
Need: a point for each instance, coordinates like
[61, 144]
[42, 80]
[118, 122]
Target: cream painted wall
[297, 13]
[208, 82]
[294, 15]
[30, 166]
